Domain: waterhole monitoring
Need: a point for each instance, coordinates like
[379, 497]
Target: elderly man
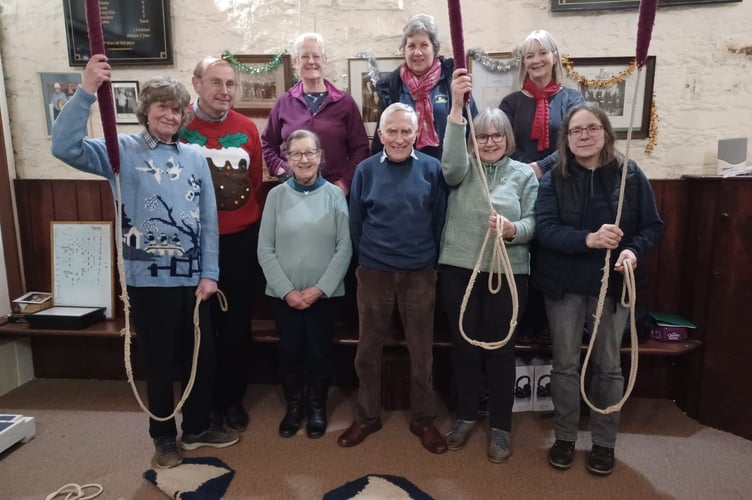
[397, 208]
[231, 144]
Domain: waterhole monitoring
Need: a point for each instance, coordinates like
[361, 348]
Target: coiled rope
[500, 263]
[628, 291]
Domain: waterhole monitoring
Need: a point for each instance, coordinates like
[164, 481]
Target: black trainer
[601, 460]
[561, 454]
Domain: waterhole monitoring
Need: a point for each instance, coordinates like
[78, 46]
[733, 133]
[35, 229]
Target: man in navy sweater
[397, 209]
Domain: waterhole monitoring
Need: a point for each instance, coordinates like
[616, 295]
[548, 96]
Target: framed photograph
[257, 92]
[362, 90]
[617, 99]
[57, 88]
[490, 88]
[580, 5]
[125, 95]
[134, 32]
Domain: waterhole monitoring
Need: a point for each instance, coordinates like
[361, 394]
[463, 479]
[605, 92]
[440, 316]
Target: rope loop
[628, 288]
[73, 491]
[500, 263]
[126, 331]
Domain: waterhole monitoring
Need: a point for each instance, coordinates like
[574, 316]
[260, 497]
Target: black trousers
[486, 319]
[239, 276]
[305, 338]
[163, 321]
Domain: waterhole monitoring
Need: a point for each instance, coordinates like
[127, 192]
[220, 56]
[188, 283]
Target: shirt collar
[197, 110]
[384, 157]
[153, 141]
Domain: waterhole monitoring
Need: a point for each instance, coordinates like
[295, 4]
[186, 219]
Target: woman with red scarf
[423, 82]
[537, 110]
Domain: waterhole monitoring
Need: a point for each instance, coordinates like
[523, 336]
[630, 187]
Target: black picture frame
[135, 33]
[125, 99]
[617, 100]
[584, 5]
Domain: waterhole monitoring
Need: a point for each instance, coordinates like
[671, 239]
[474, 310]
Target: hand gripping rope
[500, 264]
[107, 113]
[644, 30]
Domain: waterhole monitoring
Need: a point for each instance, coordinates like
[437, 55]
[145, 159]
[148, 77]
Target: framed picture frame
[125, 97]
[490, 88]
[257, 92]
[583, 5]
[617, 99]
[362, 90]
[57, 89]
[135, 33]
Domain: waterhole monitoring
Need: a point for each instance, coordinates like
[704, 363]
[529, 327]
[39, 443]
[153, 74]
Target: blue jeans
[566, 318]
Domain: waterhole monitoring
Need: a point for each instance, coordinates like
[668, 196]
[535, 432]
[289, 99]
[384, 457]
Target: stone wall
[703, 90]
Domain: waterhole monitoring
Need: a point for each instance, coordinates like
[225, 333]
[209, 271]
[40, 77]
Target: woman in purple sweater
[316, 105]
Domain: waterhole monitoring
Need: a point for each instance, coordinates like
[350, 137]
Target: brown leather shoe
[357, 432]
[430, 437]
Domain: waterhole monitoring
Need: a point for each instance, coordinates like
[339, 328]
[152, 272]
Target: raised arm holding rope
[574, 213]
[168, 230]
[499, 192]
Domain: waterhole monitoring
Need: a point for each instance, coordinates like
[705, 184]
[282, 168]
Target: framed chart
[82, 264]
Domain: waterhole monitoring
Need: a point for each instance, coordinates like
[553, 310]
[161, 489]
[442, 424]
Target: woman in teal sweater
[304, 250]
[512, 190]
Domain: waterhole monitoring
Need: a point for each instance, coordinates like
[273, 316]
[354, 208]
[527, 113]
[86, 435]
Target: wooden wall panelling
[728, 345]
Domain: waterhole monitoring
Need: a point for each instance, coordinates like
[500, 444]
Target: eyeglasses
[495, 138]
[313, 58]
[219, 84]
[298, 155]
[591, 130]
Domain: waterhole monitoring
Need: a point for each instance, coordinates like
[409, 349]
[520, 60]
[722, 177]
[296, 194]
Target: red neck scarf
[540, 122]
[420, 88]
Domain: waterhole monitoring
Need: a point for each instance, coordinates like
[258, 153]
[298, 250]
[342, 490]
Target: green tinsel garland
[256, 69]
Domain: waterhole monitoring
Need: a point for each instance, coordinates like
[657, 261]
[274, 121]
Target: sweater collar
[306, 188]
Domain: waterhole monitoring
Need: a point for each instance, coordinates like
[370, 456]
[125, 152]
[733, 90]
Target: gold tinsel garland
[617, 78]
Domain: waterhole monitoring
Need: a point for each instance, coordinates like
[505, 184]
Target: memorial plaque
[135, 31]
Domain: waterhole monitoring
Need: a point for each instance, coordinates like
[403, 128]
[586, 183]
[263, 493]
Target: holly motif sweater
[233, 150]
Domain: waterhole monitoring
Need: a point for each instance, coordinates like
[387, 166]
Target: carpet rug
[204, 478]
[378, 487]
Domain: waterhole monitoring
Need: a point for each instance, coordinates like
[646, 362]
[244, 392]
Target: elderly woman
[169, 230]
[537, 110]
[512, 189]
[574, 216]
[304, 250]
[315, 104]
[423, 82]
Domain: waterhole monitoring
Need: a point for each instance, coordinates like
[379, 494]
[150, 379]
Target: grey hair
[421, 23]
[399, 106]
[163, 89]
[207, 62]
[547, 41]
[301, 134]
[500, 121]
[300, 39]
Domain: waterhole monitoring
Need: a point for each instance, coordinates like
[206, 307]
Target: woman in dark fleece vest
[574, 217]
